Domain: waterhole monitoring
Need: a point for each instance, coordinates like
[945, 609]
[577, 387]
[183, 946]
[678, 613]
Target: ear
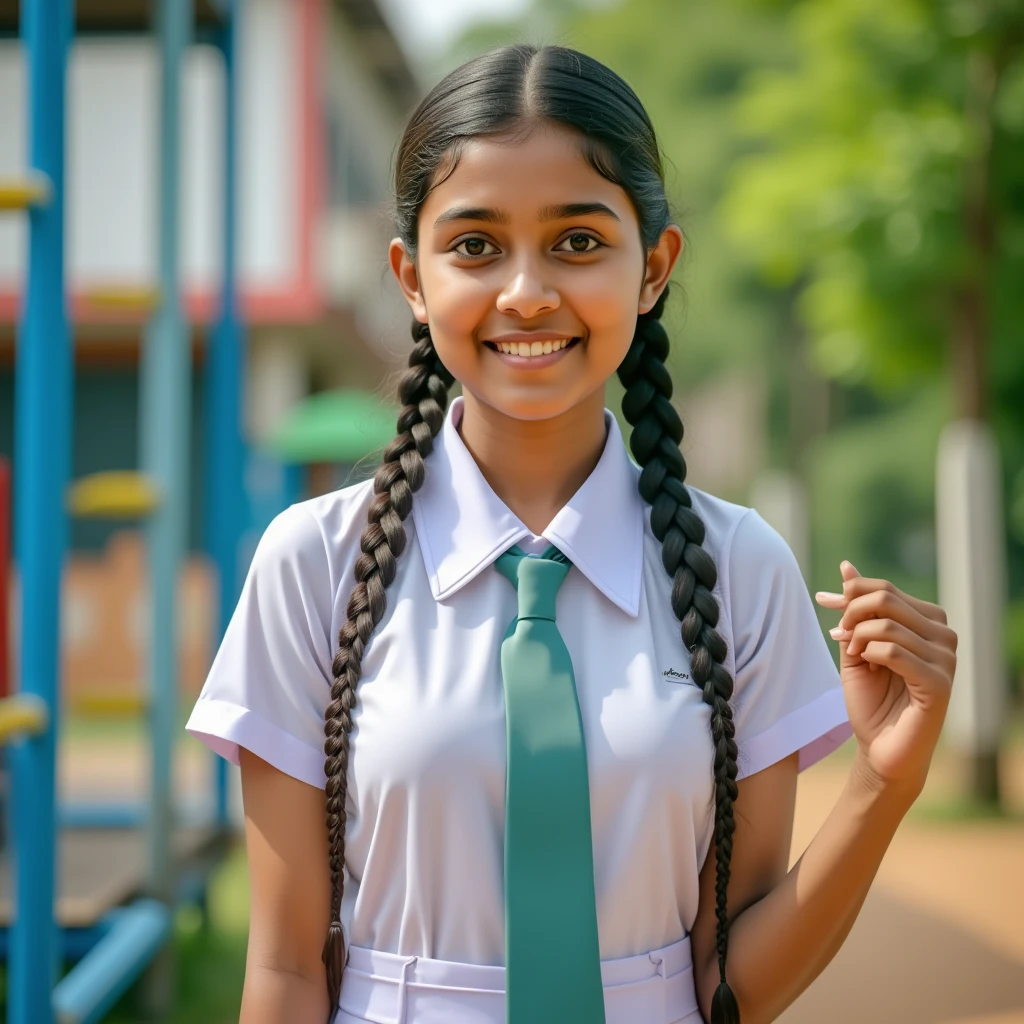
[404, 268]
[661, 261]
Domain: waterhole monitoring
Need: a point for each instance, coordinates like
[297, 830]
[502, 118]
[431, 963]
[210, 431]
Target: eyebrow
[559, 211]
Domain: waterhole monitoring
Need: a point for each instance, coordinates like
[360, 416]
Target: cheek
[458, 304]
[607, 305]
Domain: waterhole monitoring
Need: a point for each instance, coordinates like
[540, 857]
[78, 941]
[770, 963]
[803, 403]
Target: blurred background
[848, 352]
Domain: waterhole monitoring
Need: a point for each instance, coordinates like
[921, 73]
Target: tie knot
[536, 579]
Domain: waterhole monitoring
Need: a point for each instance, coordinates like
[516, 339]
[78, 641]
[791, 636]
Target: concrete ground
[940, 937]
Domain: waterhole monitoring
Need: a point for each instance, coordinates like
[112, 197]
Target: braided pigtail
[654, 441]
[423, 391]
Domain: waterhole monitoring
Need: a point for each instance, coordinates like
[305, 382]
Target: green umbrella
[334, 426]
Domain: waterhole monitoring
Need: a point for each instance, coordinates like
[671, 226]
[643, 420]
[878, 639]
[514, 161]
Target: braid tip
[333, 957]
[724, 1008]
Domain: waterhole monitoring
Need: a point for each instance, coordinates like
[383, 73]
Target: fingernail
[838, 633]
[827, 594]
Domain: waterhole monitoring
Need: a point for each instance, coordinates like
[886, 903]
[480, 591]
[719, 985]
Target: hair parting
[501, 93]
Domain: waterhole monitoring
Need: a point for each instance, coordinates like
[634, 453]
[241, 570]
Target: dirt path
[941, 935]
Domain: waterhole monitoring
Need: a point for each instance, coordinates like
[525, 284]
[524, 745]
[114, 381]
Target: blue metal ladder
[120, 945]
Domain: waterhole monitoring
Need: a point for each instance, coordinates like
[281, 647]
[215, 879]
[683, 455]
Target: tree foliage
[877, 145]
[887, 191]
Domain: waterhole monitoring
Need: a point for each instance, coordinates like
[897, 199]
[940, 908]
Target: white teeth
[528, 349]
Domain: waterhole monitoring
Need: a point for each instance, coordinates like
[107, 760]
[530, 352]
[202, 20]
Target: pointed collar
[463, 526]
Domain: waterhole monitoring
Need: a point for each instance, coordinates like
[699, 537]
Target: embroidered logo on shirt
[671, 673]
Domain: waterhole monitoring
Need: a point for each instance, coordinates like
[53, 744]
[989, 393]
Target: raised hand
[897, 659]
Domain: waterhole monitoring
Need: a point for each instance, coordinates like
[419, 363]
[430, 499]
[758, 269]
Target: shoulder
[756, 567]
[316, 536]
[741, 541]
[747, 551]
[759, 580]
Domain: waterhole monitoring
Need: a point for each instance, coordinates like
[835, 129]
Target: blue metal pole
[43, 399]
[165, 420]
[225, 375]
[94, 984]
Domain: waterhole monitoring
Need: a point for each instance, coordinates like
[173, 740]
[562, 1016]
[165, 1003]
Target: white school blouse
[426, 789]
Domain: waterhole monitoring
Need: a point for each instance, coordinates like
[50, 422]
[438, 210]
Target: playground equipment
[19, 195]
[113, 495]
[333, 426]
[122, 870]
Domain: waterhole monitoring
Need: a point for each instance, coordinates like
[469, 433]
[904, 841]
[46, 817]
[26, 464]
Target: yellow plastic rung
[97, 704]
[131, 299]
[113, 495]
[24, 714]
[18, 195]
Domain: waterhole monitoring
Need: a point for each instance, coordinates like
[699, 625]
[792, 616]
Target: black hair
[500, 94]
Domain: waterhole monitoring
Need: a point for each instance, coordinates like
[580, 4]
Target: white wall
[353, 240]
[12, 155]
[269, 143]
[112, 157]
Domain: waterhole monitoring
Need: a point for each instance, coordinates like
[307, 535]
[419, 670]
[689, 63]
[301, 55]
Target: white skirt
[655, 988]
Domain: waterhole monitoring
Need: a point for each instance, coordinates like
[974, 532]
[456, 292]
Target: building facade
[324, 88]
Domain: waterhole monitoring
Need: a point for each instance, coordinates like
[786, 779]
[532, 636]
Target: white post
[278, 380]
[972, 589]
[779, 498]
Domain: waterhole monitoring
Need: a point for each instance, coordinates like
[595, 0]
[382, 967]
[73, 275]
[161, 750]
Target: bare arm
[787, 926]
[289, 884]
[897, 660]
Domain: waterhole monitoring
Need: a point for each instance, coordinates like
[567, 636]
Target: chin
[528, 407]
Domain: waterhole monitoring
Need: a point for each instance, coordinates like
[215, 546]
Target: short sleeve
[788, 696]
[270, 680]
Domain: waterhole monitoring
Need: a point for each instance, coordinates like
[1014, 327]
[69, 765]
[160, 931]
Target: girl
[530, 800]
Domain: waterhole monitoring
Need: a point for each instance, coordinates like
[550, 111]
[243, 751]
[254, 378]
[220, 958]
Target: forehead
[522, 174]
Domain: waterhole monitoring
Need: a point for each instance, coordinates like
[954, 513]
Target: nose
[527, 294]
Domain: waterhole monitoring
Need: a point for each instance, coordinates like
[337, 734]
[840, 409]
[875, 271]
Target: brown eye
[473, 247]
[580, 242]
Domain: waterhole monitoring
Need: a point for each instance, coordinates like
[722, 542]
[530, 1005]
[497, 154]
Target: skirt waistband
[384, 988]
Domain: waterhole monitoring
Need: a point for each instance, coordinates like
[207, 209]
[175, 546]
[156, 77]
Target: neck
[535, 466]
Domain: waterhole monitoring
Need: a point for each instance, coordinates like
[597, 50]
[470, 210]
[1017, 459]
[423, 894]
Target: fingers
[830, 600]
[860, 586]
[892, 604]
[889, 631]
[848, 570]
[879, 620]
[906, 664]
[863, 598]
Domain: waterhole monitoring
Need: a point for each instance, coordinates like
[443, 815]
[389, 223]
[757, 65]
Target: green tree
[888, 187]
[887, 196]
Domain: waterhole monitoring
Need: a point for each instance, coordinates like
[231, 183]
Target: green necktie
[552, 957]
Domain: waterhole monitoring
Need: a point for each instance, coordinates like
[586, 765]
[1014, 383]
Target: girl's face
[531, 272]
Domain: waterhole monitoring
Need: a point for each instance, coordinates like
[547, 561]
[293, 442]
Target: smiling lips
[531, 349]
